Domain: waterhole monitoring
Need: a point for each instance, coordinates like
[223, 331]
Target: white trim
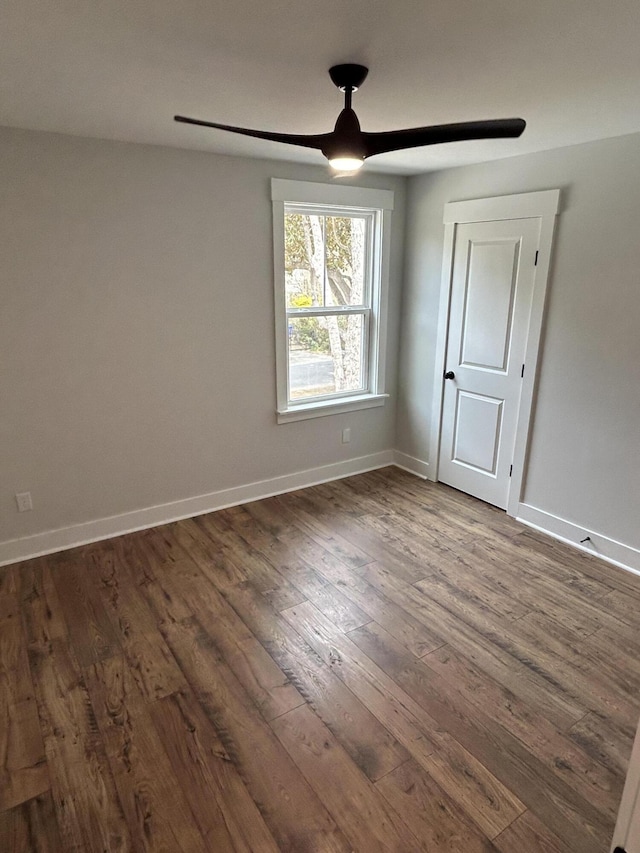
[442, 335]
[338, 311]
[325, 407]
[16, 550]
[345, 195]
[379, 203]
[544, 206]
[531, 360]
[380, 301]
[281, 329]
[409, 463]
[610, 550]
[521, 206]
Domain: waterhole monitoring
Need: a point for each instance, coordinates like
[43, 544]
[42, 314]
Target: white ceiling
[120, 69]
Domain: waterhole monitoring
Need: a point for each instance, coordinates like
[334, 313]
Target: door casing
[543, 205]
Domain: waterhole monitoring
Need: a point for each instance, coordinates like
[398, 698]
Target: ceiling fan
[347, 146]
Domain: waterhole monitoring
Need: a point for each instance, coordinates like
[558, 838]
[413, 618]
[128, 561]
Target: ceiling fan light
[346, 163]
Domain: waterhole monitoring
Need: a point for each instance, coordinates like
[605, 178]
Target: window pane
[325, 355]
[345, 260]
[325, 260]
[304, 260]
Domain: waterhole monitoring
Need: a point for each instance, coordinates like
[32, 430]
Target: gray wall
[585, 447]
[136, 330]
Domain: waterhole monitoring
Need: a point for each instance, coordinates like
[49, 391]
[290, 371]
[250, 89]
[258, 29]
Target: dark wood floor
[377, 664]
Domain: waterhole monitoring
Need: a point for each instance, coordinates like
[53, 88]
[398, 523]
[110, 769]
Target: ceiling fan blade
[317, 141]
[414, 137]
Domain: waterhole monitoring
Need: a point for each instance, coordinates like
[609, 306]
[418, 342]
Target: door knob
[449, 375]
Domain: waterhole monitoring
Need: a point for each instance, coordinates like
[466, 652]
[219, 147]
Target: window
[331, 246]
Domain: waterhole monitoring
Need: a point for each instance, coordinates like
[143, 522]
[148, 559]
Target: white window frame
[328, 199]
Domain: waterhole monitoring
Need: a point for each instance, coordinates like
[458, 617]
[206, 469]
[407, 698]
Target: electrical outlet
[24, 502]
[346, 435]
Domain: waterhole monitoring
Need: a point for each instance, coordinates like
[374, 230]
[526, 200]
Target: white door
[492, 280]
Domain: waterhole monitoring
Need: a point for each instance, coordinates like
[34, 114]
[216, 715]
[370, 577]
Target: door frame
[541, 205]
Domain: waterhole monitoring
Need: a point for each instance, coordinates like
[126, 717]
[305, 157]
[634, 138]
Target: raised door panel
[477, 429]
[488, 303]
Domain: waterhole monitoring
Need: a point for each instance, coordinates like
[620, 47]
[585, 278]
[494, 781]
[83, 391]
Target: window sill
[306, 411]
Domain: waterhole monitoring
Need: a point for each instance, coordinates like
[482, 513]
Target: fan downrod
[348, 76]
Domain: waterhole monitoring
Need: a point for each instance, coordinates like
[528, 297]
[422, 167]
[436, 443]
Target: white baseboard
[16, 550]
[623, 556]
[411, 464]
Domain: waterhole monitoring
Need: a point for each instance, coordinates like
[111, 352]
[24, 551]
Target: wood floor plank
[526, 639]
[434, 818]
[545, 580]
[622, 642]
[456, 569]
[293, 813]
[404, 512]
[31, 827]
[620, 604]
[236, 551]
[417, 637]
[407, 630]
[417, 552]
[156, 809]
[476, 791]
[493, 657]
[575, 675]
[501, 753]
[557, 750]
[378, 663]
[307, 518]
[374, 749]
[42, 614]
[204, 770]
[23, 768]
[90, 630]
[329, 600]
[593, 658]
[258, 673]
[188, 538]
[529, 834]
[534, 592]
[150, 661]
[88, 810]
[467, 518]
[10, 577]
[584, 564]
[604, 742]
[15, 678]
[470, 594]
[364, 679]
[538, 573]
[395, 551]
[137, 552]
[358, 809]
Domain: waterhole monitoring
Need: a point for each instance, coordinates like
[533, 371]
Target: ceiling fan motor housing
[347, 139]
